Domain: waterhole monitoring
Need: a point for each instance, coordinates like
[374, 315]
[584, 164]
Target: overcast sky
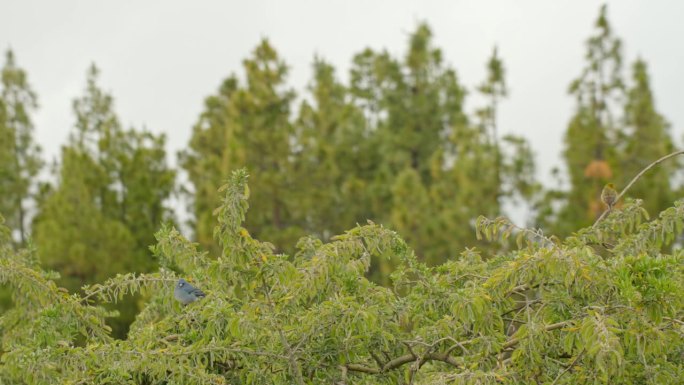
[160, 59]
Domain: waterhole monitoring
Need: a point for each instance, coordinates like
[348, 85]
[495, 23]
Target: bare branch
[639, 175]
[403, 360]
[568, 368]
[514, 341]
[377, 359]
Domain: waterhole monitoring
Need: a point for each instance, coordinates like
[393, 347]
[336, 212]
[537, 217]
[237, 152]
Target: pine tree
[247, 126]
[74, 236]
[412, 214]
[493, 89]
[6, 139]
[339, 161]
[423, 102]
[592, 134]
[646, 139]
[614, 133]
[19, 154]
[475, 170]
[415, 120]
[512, 169]
[205, 160]
[110, 198]
[412, 106]
[329, 158]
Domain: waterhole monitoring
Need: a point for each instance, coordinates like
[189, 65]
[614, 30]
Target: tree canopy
[603, 306]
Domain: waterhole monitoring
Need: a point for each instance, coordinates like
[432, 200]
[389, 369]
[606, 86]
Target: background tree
[593, 130]
[76, 238]
[493, 89]
[424, 140]
[5, 159]
[110, 195]
[615, 132]
[647, 138]
[246, 125]
[351, 149]
[331, 157]
[470, 170]
[204, 159]
[19, 154]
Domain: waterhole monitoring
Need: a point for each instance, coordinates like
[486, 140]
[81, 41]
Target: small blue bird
[185, 293]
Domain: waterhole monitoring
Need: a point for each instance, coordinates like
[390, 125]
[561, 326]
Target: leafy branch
[114, 288]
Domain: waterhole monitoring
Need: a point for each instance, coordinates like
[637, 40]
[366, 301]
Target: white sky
[160, 59]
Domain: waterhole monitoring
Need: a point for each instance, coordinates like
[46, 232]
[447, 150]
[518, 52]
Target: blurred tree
[247, 126]
[397, 132]
[19, 154]
[74, 235]
[590, 140]
[112, 183]
[331, 158]
[412, 213]
[205, 159]
[424, 104]
[135, 162]
[513, 168]
[477, 170]
[131, 180]
[368, 84]
[412, 105]
[429, 153]
[5, 161]
[493, 89]
[614, 133]
[465, 185]
[646, 139]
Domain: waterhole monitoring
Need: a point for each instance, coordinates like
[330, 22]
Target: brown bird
[609, 195]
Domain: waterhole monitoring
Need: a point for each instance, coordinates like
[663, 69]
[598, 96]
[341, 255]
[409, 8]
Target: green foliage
[603, 306]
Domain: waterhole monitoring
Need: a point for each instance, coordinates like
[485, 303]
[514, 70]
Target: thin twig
[402, 360]
[642, 172]
[674, 320]
[343, 380]
[568, 368]
[528, 303]
[377, 359]
[168, 339]
[514, 341]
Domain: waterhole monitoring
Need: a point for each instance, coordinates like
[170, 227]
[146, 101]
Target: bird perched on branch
[185, 293]
[609, 195]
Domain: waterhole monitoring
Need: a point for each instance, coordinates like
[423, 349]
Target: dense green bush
[603, 306]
